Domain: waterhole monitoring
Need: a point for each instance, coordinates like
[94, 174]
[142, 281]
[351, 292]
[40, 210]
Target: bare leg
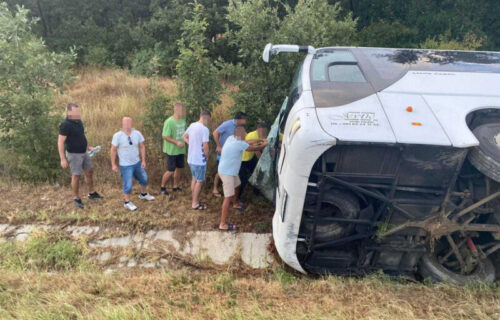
[177, 177]
[166, 177]
[75, 183]
[144, 189]
[126, 197]
[196, 194]
[236, 202]
[216, 183]
[193, 182]
[225, 210]
[89, 180]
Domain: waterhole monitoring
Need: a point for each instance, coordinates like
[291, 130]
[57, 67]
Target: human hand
[180, 144]
[64, 163]
[143, 164]
[114, 167]
[219, 149]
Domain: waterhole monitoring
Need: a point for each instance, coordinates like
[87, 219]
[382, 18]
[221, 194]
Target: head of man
[240, 132]
[73, 111]
[205, 117]
[178, 110]
[262, 130]
[127, 124]
[240, 118]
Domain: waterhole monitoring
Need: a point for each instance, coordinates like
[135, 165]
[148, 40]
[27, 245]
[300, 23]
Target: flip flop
[230, 227]
[242, 207]
[201, 206]
[217, 194]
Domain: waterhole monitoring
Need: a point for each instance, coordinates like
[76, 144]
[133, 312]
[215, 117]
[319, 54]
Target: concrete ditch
[153, 248]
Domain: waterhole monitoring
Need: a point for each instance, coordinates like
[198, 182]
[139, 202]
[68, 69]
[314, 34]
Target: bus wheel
[453, 261]
[338, 204]
[486, 156]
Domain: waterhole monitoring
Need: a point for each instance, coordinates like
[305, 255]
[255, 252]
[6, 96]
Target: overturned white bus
[390, 159]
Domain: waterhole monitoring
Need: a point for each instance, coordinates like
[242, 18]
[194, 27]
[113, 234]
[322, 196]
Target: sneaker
[78, 203]
[164, 192]
[129, 205]
[147, 197]
[94, 195]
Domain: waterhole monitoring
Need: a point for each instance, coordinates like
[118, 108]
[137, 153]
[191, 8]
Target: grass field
[192, 294]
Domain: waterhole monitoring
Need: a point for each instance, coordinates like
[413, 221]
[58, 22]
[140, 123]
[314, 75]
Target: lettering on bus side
[355, 118]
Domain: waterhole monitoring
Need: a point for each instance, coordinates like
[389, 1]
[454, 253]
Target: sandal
[242, 207]
[201, 206]
[230, 227]
[217, 194]
[177, 189]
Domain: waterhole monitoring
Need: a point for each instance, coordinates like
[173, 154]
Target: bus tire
[486, 156]
[348, 207]
[430, 268]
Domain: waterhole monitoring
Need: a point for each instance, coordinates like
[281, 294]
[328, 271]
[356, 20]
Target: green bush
[199, 87]
[29, 74]
[97, 56]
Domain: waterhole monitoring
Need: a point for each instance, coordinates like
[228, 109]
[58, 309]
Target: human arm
[180, 144]
[216, 135]
[112, 155]
[142, 150]
[60, 147]
[185, 137]
[206, 149]
[257, 147]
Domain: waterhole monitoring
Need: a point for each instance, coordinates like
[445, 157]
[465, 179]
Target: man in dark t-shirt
[72, 135]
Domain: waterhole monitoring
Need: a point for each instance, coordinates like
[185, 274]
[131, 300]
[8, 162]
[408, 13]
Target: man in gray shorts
[72, 134]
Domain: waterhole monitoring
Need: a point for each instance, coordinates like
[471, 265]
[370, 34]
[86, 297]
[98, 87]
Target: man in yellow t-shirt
[249, 158]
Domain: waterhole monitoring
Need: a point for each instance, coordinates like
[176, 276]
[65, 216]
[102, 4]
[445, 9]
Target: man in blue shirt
[225, 130]
[229, 167]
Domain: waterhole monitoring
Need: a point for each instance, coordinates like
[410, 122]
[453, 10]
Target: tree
[198, 84]
[29, 74]
[309, 22]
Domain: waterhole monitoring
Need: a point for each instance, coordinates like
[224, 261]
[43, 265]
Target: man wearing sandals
[197, 136]
[229, 167]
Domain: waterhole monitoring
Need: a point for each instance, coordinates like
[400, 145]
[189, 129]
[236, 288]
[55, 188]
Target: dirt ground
[52, 204]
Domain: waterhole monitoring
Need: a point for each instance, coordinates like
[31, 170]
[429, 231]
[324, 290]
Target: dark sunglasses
[130, 141]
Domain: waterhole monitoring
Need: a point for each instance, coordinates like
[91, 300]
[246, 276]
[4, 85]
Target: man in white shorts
[129, 143]
[229, 167]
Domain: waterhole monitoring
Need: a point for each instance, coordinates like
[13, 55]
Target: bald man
[129, 144]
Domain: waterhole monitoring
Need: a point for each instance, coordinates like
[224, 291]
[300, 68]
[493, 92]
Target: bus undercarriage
[405, 209]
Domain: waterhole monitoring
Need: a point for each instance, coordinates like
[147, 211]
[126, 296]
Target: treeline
[127, 33]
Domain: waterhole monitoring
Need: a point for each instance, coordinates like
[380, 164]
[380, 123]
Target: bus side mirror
[266, 54]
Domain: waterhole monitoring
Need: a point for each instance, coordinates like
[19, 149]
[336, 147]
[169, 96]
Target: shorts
[229, 184]
[198, 172]
[175, 162]
[79, 162]
[134, 171]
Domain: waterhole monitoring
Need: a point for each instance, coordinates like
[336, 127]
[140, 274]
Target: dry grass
[191, 294]
[53, 205]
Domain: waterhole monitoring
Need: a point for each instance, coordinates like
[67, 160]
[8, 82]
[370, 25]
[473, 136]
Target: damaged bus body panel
[387, 159]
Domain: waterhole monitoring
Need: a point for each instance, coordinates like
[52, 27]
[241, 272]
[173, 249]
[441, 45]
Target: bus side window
[293, 96]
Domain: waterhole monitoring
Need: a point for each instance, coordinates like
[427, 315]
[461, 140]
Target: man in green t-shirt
[174, 147]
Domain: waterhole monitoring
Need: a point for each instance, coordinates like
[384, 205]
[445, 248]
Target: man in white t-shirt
[129, 143]
[196, 136]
